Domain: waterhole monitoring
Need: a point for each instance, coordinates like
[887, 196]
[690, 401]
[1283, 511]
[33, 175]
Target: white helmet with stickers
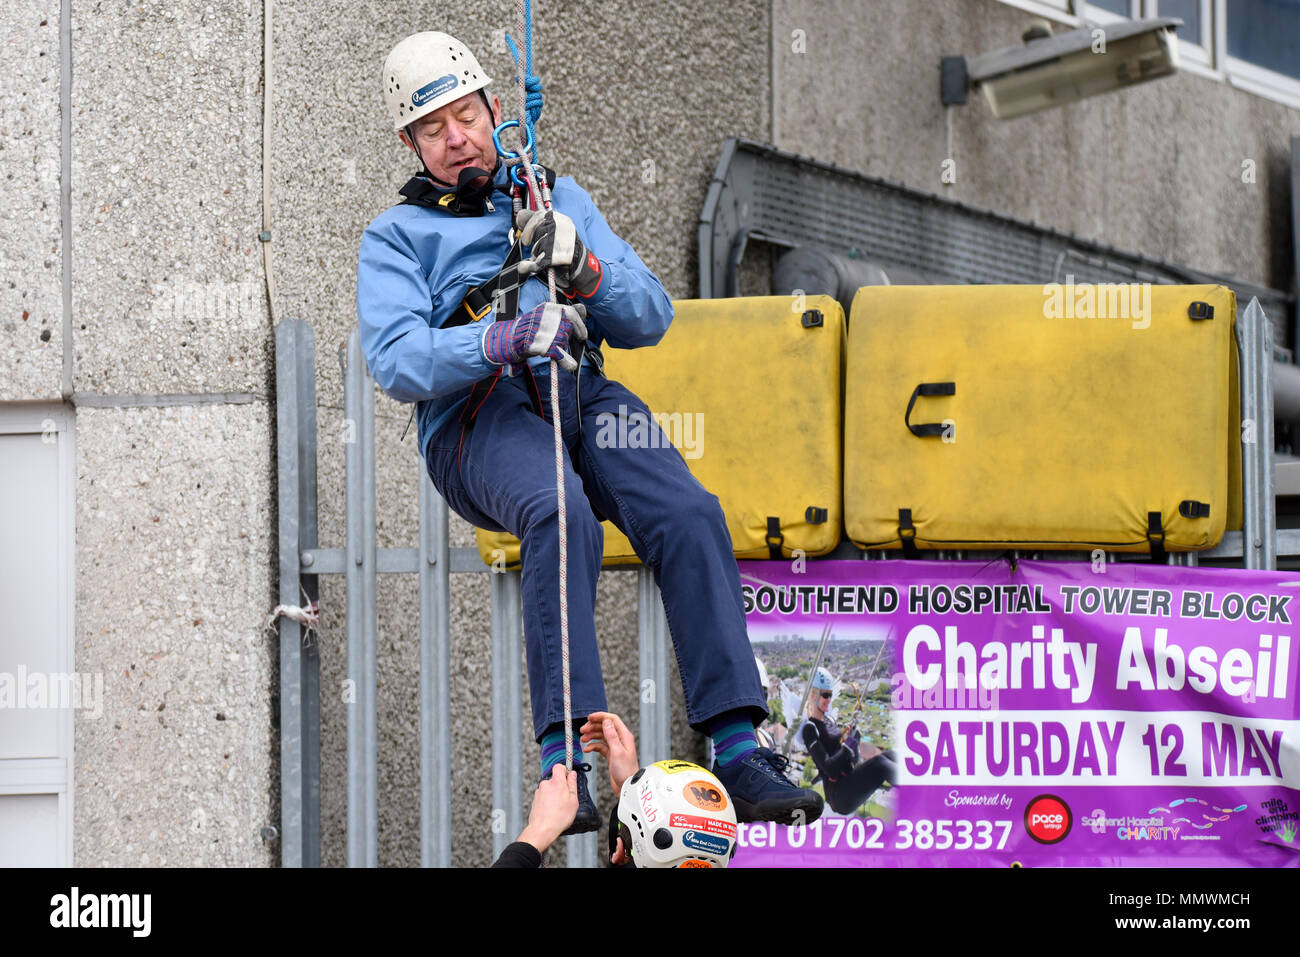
[677, 814]
[425, 72]
[822, 680]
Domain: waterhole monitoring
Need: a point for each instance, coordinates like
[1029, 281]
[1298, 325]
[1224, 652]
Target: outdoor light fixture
[1049, 70]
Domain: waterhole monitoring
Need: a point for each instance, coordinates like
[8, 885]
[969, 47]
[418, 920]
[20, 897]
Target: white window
[1260, 44]
[37, 681]
[1195, 35]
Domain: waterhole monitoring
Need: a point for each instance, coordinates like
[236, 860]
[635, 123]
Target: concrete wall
[1155, 169]
[31, 300]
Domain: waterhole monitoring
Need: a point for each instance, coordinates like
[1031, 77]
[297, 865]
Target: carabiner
[516, 175]
[529, 147]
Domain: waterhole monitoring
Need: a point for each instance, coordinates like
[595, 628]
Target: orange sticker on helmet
[694, 864]
[705, 795]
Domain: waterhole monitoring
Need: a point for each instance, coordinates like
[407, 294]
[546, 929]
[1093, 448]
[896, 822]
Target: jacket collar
[464, 199]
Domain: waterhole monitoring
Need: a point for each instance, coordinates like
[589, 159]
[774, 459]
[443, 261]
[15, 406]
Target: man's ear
[496, 111]
[405, 139]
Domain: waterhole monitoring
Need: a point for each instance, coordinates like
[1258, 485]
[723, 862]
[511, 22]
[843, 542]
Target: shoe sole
[583, 825]
[800, 811]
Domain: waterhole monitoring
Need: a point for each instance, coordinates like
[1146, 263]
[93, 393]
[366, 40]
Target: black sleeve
[519, 854]
[832, 761]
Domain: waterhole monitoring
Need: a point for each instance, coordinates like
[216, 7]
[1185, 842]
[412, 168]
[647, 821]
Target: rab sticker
[677, 767]
[1048, 819]
[703, 794]
[427, 92]
[646, 795]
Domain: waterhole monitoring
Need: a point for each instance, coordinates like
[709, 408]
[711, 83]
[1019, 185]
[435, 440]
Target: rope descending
[528, 89]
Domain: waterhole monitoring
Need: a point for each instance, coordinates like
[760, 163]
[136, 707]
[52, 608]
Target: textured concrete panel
[166, 148]
[174, 558]
[1156, 169]
[31, 297]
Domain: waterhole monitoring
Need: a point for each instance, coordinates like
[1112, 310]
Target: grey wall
[1156, 169]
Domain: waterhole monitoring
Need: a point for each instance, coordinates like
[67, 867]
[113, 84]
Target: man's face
[457, 136]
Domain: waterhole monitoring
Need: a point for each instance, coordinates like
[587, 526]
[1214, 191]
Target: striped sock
[733, 737]
[553, 748]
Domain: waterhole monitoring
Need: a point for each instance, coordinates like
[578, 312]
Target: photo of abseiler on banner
[1029, 713]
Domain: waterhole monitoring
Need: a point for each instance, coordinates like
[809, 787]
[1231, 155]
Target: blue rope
[532, 83]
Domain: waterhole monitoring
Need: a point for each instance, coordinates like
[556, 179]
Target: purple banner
[1054, 713]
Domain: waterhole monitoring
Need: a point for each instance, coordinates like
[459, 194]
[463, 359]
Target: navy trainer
[762, 792]
[587, 818]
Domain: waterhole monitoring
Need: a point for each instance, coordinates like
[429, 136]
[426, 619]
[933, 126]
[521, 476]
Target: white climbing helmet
[676, 814]
[425, 72]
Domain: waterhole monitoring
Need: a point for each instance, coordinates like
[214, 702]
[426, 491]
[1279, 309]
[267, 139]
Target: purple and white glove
[544, 330]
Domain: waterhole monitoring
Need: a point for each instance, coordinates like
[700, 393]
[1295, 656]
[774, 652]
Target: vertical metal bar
[507, 709]
[581, 849]
[354, 695]
[656, 696]
[1264, 445]
[369, 607]
[435, 681]
[1295, 241]
[645, 669]
[286, 417]
[1251, 541]
[309, 652]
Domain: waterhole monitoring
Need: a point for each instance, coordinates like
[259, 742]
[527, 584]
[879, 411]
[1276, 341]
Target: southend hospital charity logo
[1181, 815]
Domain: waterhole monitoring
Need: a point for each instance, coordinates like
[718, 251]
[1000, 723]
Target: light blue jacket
[416, 264]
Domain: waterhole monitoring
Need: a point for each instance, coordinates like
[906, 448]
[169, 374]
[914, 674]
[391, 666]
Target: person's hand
[544, 330]
[556, 244]
[555, 805]
[607, 735]
[620, 854]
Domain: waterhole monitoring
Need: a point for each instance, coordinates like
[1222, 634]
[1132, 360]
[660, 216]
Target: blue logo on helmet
[438, 87]
[706, 842]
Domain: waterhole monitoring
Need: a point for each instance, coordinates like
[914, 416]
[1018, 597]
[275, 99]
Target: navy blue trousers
[502, 478]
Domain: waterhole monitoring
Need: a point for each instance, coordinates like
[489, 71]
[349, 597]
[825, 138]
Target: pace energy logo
[1048, 819]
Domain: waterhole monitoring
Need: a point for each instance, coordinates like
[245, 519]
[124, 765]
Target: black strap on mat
[774, 538]
[907, 533]
[1156, 536]
[927, 389]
